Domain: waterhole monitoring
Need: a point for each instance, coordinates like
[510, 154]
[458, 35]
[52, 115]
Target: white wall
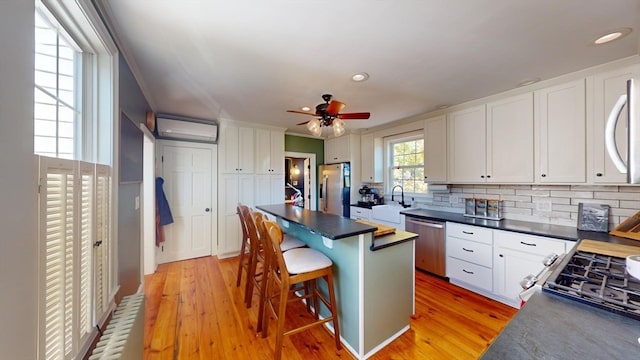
[18, 220]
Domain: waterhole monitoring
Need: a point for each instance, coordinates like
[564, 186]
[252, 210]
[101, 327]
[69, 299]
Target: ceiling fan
[329, 114]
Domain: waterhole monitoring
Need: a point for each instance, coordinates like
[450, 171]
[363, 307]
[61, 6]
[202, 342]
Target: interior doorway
[300, 176]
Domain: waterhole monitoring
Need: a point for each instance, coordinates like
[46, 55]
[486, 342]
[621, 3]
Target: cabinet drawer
[473, 233]
[471, 251]
[528, 243]
[358, 213]
[472, 274]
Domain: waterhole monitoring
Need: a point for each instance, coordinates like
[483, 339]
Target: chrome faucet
[401, 195]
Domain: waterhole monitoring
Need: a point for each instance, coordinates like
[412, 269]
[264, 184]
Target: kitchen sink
[388, 214]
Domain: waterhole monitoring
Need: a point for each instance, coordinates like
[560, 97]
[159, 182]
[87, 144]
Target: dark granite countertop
[328, 225]
[384, 241]
[552, 327]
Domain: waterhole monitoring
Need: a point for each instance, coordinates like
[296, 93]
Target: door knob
[207, 209]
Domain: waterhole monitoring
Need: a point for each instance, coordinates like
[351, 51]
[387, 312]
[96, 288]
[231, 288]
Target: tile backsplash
[555, 204]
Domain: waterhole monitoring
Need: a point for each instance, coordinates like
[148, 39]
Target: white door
[187, 173]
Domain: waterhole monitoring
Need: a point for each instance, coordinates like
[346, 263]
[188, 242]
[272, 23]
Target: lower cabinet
[517, 255]
[469, 262]
[493, 262]
[232, 189]
[359, 213]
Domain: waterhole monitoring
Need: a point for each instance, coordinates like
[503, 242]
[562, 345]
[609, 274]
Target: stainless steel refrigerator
[335, 189]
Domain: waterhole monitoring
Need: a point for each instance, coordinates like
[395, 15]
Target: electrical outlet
[453, 199]
[543, 205]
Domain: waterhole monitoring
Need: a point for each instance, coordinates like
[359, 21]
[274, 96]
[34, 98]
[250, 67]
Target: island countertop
[328, 225]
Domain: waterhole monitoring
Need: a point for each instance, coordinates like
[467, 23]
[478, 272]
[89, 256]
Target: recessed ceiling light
[359, 77]
[305, 108]
[526, 82]
[612, 35]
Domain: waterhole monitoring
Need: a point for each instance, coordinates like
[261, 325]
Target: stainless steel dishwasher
[430, 245]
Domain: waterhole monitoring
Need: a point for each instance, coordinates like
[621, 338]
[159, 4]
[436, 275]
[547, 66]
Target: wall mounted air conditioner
[174, 127]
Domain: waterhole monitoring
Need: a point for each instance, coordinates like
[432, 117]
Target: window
[74, 91]
[57, 78]
[406, 159]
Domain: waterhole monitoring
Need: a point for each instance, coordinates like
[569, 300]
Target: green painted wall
[305, 145]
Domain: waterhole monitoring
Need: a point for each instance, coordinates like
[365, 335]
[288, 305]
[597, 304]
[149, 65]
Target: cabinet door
[435, 150]
[560, 129]
[246, 150]
[371, 158]
[336, 150]
[276, 152]
[263, 151]
[607, 88]
[232, 189]
[509, 268]
[467, 145]
[269, 189]
[510, 140]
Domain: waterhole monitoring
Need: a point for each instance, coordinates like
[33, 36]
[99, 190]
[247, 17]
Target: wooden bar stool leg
[334, 310]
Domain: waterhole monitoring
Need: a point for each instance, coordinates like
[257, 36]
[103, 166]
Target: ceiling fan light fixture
[305, 108]
[314, 127]
[612, 35]
[360, 77]
[338, 127]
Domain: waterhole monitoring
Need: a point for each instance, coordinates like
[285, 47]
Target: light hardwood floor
[195, 311]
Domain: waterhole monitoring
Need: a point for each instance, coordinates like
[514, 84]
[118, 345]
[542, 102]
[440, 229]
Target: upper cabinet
[510, 140]
[607, 88]
[337, 150]
[269, 157]
[371, 159]
[435, 150]
[237, 149]
[467, 145]
[492, 143]
[560, 133]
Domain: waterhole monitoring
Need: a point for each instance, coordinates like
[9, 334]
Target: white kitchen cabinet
[232, 189]
[359, 213]
[237, 152]
[269, 189]
[492, 143]
[560, 125]
[435, 150]
[469, 262]
[510, 140]
[371, 159]
[338, 150]
[466, 144]
[269, 156]
[517, 255]
[607, 88]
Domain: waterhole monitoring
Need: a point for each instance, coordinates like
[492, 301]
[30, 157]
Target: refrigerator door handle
[610, 134]
[325, 183]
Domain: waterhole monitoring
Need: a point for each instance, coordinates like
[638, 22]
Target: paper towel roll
[633, 266]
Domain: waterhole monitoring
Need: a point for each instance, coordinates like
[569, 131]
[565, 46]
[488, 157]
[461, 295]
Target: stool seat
[304, 260]
[291, 242]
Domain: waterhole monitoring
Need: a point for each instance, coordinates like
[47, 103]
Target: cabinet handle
[482, 176]
[488, 176]
[467, 250]
[468, 272]
[599, 174]
[544, 175]
[501, 255]
[467, 232]
[528, 244]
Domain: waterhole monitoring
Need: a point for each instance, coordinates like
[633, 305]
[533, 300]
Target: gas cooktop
[597, 280]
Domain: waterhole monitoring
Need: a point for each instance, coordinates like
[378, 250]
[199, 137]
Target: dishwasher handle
[433, 224]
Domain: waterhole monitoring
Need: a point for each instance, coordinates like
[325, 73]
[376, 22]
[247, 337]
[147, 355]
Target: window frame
[388, 158]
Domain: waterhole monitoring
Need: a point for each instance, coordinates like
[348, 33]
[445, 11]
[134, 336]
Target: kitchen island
[374, 277]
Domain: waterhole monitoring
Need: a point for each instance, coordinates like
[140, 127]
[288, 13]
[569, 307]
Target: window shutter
[56, 232]
[86, 205]
[102, 246]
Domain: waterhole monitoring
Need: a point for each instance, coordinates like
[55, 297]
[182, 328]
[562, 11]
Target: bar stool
[243, 261]
[302, 265]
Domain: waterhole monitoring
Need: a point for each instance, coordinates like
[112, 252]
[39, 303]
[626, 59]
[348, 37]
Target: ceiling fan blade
[301, 112]
[354, 116]
[335, 107]
[302, 123]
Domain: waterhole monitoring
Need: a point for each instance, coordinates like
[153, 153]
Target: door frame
[312, 175]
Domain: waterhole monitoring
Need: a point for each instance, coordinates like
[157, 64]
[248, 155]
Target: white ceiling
[250, 60]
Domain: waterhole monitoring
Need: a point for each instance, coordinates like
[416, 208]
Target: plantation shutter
[85, 261]
[56, 226]
[102, 245]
